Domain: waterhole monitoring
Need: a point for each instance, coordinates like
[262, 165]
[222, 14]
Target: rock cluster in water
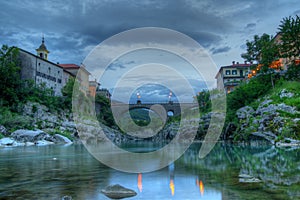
[33, 137]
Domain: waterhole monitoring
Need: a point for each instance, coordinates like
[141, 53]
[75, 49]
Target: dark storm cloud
[70, 27]
[220, 50]
[250, 26]
[206, 39]
[297, 12]
[77, 24]
[119, 65]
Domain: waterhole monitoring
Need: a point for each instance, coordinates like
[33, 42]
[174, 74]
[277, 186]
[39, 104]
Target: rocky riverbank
[44, 127]
[57, 127]
[272, 120]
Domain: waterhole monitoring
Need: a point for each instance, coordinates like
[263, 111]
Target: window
[241, 72]
[234, 72]
[227, 72]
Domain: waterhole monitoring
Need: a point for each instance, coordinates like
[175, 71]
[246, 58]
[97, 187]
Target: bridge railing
[153, 102]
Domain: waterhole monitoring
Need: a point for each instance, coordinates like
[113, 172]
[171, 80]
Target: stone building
[104, 92]
[55, 76]
[93, 87]
[40, 70]
[81, 74]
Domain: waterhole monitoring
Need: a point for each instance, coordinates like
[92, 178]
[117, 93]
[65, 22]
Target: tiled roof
[237, 65]
[69, 66]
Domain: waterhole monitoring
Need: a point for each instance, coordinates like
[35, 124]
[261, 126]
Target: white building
[228, 77]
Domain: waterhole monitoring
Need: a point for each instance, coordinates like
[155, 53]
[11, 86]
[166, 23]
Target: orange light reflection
[201, 186]
[140, 184]
[172, 187]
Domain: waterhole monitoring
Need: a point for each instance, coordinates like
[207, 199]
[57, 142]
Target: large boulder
[118, 192]
[7, 142]
[23, 135]
[61, 139]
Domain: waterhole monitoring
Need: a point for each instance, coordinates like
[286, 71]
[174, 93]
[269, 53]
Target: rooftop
[69, 66]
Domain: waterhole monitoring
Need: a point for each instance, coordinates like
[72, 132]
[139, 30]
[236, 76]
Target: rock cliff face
[45, 119]
[277, 123]
[48, 127]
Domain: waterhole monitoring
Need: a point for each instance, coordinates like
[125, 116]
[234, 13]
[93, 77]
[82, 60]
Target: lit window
[234, 72]
[227, 72]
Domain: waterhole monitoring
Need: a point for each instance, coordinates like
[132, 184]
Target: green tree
[290, 37]
[245, 94]
[10, 81]
[67, 92]
[105, 114]
[204, 101]
[290, 45]
[256, 47]
[262, 50]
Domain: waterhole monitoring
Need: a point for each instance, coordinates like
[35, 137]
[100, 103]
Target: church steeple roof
[43, 46]
[42, 51]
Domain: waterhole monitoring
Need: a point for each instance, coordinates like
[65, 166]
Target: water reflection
[171, 172]
[200, 185]
[51, 172]
[140, 182]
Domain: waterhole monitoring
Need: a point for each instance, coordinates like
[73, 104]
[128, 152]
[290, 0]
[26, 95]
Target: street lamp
[138, 98]
[170, 97]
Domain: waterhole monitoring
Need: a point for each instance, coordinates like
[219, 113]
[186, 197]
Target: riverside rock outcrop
[44, 127]
[274, 122]
[44, 118]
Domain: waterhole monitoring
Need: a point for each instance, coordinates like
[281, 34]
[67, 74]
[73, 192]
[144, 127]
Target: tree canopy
[262, 50]
[10, 81]
[290, 37]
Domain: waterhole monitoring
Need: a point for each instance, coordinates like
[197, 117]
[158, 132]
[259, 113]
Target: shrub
[13, 121]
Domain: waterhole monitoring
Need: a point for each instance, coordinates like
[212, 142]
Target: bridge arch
[170, 113]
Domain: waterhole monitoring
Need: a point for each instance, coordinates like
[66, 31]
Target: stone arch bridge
[174, 107]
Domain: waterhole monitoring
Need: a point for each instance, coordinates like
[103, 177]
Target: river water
[51, 172]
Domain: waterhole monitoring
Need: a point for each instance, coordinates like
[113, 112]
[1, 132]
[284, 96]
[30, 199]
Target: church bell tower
[42, 50]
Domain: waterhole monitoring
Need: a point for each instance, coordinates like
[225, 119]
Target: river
[51, 172]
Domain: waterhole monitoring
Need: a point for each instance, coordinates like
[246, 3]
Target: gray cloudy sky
[73, 28]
